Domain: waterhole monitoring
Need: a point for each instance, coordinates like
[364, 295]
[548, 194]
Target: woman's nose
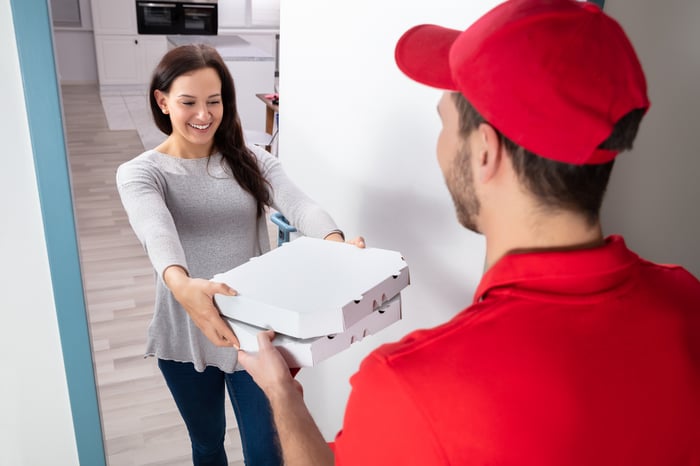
[203, 112]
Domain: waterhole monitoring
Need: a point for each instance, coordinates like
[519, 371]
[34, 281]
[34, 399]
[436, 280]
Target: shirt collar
[579, 272]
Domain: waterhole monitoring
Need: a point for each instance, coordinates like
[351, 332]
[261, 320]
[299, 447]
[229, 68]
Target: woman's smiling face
[195, 108]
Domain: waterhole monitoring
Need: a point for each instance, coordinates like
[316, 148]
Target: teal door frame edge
[32, 23]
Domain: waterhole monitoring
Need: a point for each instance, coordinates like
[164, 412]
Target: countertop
[231, 47]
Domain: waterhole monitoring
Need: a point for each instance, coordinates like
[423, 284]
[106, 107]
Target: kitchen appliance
[196, 17]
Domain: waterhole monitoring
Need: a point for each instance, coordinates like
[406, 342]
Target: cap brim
[423, 54]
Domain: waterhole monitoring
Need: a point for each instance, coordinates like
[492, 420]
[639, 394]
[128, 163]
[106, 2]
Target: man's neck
[560, 231]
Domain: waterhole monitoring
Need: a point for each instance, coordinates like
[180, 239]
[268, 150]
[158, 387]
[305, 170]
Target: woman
[197, 204]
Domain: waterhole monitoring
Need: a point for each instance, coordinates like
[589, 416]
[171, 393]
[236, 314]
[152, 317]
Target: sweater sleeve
[300, 210]
[142, 192]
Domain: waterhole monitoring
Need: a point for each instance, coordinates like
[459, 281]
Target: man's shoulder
[672, 283]
[673, 271]
[428, 343]
[453, 353]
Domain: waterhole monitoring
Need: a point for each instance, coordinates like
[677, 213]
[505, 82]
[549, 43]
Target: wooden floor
[140, 421]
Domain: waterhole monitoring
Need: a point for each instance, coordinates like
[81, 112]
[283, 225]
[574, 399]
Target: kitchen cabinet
[127, 60]
[114, 16]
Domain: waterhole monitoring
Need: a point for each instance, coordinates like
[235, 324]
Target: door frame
[34, 41]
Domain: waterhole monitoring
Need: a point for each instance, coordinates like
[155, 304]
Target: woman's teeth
[200, 126]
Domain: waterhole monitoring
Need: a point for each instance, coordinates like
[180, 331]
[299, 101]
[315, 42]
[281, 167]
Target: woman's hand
[196, 296]
[358, 241]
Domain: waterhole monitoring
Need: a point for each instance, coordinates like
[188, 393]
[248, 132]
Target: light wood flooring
[141, 424]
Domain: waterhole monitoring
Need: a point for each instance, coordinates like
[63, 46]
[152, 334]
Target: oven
[198, 17]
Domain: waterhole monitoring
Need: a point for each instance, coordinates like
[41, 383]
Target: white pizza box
[312, 287]
[307, 352]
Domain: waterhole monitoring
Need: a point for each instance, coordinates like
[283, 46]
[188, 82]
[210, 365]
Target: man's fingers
[265, 339]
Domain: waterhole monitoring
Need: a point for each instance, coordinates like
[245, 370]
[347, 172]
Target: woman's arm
[303, 212]
[142, 192]
[142, 195]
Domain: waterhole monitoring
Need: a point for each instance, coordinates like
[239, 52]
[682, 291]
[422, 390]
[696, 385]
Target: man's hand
[268, 367]
[196, 296]
[302, 442]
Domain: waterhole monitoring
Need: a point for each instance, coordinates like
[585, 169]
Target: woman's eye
[214, 102]
[189, 104]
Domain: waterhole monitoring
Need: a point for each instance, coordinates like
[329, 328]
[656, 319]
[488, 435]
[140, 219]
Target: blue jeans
[199, 397]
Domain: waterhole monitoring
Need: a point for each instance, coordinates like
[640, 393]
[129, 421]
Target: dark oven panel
[198, 17]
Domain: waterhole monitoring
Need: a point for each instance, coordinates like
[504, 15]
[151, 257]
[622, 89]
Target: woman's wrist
[335, 235]
[174, 276]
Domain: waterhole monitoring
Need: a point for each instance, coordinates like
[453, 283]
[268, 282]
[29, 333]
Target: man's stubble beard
[460, 184]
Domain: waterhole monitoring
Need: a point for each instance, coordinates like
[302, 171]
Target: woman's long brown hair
[229, 136]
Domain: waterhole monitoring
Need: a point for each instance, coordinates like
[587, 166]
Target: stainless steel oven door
[200, 18]
[157, 17]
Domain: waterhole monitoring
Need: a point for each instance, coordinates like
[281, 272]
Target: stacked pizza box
[318, 296]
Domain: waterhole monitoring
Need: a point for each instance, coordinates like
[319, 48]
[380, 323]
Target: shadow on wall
[429, 237]
[653, 193]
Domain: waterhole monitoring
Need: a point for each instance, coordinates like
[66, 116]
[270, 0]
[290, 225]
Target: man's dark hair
[559, 185]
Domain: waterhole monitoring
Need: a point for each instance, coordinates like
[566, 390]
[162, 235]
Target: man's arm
[301, 441]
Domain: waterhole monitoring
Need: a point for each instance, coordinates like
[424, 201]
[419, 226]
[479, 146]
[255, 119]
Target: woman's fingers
[221, 288]
[218, 332]
[358, 241]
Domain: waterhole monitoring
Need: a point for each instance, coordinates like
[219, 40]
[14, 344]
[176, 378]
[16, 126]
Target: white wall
[75, 47]
[360, 137]
[75, 56]
[35, 425]
[654, 193]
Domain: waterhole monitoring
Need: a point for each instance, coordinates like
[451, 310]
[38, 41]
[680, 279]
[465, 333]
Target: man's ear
[489, 154]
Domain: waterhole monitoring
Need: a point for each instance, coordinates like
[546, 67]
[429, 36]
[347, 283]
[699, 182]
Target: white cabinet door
[127, 60]
[117, 59]
[114, 16]
[151, 50]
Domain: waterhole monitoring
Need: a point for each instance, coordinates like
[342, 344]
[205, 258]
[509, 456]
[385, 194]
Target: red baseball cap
[554, 76]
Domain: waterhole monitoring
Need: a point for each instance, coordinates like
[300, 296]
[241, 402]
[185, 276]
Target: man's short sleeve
[384, 423]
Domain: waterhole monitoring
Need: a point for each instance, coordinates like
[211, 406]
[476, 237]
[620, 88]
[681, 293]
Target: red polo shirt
[588, 357]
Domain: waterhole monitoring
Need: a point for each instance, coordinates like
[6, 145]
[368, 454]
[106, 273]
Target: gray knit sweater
[191, 212]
